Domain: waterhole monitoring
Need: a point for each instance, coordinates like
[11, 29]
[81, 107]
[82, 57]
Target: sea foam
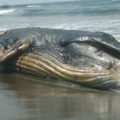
[7, 11]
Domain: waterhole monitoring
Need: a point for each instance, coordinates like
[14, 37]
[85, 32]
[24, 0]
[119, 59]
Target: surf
[7, 11]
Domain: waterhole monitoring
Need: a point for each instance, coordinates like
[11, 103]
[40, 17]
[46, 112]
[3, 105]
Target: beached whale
[90, 59]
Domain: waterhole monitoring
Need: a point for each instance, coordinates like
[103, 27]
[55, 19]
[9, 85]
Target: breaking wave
[6, 11]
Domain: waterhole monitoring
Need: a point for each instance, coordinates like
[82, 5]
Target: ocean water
[91, 15]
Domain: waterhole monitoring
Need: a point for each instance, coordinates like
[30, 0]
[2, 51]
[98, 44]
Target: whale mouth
[43, 62]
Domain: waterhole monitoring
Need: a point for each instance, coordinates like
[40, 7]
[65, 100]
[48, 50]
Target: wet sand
[23, 97]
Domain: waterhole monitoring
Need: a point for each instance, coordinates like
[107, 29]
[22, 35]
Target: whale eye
[8, 47]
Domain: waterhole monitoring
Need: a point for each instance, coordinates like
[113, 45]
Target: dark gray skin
[81, 49]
